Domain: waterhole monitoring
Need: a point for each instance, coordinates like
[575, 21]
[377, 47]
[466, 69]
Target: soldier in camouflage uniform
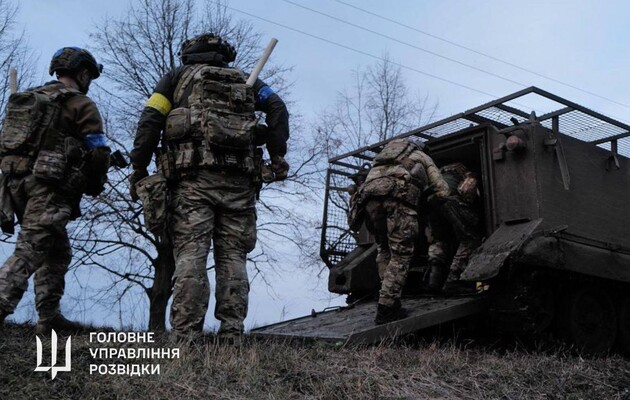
[390, 198]
[53, 149]
[453, 229]
[203, 113]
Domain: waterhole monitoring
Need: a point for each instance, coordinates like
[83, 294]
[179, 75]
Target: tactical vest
[30, 140]
[217, 127]
[395, 174]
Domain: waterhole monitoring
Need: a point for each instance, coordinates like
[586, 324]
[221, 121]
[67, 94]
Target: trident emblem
[53, 356]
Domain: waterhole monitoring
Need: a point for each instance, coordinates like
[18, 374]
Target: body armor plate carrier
[217, 127]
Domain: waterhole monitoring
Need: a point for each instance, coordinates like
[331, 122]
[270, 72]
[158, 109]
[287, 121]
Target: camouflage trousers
[211, 209]
[454, 235]
[42, 247]
[395, 228]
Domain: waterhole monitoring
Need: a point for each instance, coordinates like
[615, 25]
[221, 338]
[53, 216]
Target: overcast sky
[583, 44]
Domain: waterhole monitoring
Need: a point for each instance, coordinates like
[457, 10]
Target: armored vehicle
[555, 201]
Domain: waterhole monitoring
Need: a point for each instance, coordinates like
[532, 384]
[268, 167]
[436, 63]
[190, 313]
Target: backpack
[395, 174]
[31, 119]
[220, 108]
[28, 116]
[396, 152]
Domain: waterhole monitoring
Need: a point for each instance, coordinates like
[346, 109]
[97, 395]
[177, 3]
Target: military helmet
[206, 43]
[73, 59]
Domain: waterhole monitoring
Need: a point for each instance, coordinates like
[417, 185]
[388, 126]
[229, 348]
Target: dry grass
[274, 370]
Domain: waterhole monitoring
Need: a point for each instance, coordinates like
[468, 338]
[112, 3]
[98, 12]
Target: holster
[153, 193]
[166, 164]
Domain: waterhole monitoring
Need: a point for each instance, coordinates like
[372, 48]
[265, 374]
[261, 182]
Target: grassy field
[429, 369]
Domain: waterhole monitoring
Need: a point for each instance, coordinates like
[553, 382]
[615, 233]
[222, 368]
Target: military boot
[60, 324]
[437, 276]
[190, 338]
[230, 339]
[454, 285]
[229, 335]
[385, 314]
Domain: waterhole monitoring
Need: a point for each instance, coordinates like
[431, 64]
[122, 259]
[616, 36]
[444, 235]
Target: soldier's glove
[266, 173]
[280, 168]
[134, 178]
[96, 170]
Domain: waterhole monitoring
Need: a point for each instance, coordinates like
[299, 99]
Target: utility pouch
[228, 130]
[13, 165]
[381, 186]
[7, 214]
[185, 156]
[177, 124]
[152, 191]
[50, 165]
[166, 164]
[75, 153]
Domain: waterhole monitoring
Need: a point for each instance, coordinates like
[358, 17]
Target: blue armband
[263, 94]
[94, 140]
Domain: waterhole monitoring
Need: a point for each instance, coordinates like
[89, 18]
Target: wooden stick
[261, 63]
[13, 80]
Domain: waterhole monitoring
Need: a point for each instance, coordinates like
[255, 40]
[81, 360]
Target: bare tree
[377, 106]
[137, 50]
[14, 53]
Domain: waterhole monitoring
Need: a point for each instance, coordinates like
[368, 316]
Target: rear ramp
[355, 324]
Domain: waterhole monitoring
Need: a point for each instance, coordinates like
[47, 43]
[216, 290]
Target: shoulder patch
[264, 93]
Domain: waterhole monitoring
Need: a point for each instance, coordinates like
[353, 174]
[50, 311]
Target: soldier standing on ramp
[390, 198]
[203, 113]
[53, 150]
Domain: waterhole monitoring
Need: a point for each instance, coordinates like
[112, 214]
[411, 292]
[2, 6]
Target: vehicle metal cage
[554, 112]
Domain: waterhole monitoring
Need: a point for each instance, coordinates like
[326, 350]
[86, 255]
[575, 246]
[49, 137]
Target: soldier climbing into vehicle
[453, 229]
[389, 201]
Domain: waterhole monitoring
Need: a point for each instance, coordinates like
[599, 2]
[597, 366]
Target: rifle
[116, 159]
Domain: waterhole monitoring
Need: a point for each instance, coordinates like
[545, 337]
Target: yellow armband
[160, 103]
